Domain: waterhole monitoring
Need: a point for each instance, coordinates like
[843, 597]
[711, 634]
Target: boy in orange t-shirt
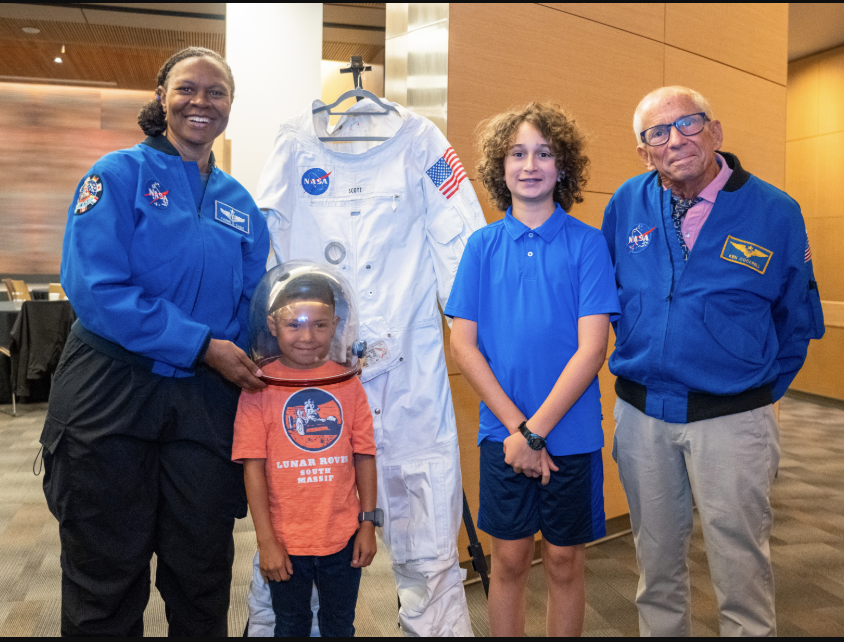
[305, 451]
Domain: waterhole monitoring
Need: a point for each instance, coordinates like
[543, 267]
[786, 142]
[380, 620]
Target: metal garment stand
[356, 68]
[476, 550]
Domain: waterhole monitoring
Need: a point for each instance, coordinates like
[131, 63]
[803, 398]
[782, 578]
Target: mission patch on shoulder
[89, 194]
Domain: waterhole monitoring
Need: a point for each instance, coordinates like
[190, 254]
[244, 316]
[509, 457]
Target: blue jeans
[337, 584]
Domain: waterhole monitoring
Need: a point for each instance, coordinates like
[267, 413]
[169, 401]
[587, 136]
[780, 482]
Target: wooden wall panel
[831, 92]
[802, 99]
[598, 73]
[51, 136]
[752, 110]
[815, 164]
[644, 19]
[822, 374]
[750, 37]
[830, 168]
[826, 236]
[801, 174]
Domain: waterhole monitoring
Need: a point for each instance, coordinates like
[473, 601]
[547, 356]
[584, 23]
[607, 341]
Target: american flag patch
[447, 173]
[807, 255]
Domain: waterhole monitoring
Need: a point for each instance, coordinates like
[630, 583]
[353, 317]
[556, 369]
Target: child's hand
[365, 546]
[547, 465]
[522, 457]
[273, 561]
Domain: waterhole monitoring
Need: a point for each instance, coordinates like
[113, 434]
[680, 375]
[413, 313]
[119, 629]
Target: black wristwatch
[534, 441]
[376, 517]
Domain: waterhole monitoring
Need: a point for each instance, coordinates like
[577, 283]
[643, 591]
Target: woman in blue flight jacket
[161, 254]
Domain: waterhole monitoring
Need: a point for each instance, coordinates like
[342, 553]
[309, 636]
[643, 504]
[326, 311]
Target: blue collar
[547, 231]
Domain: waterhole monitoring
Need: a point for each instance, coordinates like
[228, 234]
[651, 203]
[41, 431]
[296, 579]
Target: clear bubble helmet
[303, 317]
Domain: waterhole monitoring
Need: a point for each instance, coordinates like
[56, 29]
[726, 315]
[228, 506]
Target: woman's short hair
[558, 128]
[151, 118]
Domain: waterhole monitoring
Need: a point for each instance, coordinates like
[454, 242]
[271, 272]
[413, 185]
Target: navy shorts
[568, 511]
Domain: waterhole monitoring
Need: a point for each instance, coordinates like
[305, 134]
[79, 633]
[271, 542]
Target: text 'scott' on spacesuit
[394, 219]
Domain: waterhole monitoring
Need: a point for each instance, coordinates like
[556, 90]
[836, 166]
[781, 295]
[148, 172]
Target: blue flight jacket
[738, 315]
[151, 264]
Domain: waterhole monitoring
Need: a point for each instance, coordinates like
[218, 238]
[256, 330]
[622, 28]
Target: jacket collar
[739, 176]
[161, 144]
[547, 231]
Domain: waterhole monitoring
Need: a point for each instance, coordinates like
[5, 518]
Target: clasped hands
[526, 460]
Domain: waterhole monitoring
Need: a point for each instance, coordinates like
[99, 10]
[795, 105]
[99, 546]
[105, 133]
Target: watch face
[535, 442]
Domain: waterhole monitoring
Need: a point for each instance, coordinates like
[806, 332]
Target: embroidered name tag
[746, 253]
[230, 216]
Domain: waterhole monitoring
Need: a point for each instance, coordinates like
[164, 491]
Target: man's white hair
[666, 92]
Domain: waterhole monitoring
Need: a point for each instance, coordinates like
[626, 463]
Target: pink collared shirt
[697, 214]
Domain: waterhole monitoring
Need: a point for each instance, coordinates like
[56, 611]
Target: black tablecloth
[37, 340]
[7, 320]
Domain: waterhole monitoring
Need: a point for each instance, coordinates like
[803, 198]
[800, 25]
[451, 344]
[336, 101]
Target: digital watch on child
[534, 441]
[376, 517]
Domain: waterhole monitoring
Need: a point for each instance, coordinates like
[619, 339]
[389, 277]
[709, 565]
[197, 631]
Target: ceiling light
[57, 59]
[32, 30]
[62, 48]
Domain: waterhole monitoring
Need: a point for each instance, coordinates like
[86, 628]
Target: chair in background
[17, 290]
[56, 292]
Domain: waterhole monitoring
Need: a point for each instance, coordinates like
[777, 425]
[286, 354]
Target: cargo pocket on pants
[51, 437]
[416, 511]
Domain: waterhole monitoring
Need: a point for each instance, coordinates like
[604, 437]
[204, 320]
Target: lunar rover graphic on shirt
[313, 419]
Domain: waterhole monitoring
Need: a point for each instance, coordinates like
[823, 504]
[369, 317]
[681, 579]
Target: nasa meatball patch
[313, 419]
[89, 194]
[316, 181]
[640, 237]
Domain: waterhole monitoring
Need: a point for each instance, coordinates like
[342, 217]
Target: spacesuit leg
[261, 615]
[422, 499]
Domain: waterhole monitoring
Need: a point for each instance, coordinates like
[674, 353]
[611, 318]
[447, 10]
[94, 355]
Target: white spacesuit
[394, 217]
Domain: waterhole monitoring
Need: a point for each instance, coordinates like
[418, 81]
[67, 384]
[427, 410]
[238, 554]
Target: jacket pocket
[816, 328]
[630, 313]
[735, 339]
[417, 506]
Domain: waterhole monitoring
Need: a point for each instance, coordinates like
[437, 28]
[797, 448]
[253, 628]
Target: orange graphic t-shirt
[308, 437]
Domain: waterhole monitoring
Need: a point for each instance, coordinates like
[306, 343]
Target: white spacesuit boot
[394, 218]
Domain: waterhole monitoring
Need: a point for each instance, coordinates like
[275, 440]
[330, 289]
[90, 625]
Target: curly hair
[152, 118]
[566, 140]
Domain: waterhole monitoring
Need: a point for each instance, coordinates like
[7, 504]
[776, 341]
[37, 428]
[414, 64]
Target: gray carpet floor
[807, 548]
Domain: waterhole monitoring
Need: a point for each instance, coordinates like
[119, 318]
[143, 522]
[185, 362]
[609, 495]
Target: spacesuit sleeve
[798, 317]
[276, 193]
[97, 278]
[452, 211]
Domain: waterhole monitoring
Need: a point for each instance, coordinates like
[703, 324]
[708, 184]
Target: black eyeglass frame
[674, 125]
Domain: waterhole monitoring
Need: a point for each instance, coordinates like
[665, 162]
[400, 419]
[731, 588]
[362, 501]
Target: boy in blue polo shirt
[531, 303]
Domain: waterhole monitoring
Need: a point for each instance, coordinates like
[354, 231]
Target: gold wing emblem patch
[746, 253]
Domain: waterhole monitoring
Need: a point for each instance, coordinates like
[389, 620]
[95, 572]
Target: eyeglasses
[686, 125]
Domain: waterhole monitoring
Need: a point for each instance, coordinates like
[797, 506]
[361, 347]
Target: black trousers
[137, 464]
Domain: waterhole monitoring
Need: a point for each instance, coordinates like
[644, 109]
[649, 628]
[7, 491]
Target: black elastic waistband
[109, 348]
[700, 405]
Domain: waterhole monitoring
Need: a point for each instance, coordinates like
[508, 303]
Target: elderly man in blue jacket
[719, 303]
